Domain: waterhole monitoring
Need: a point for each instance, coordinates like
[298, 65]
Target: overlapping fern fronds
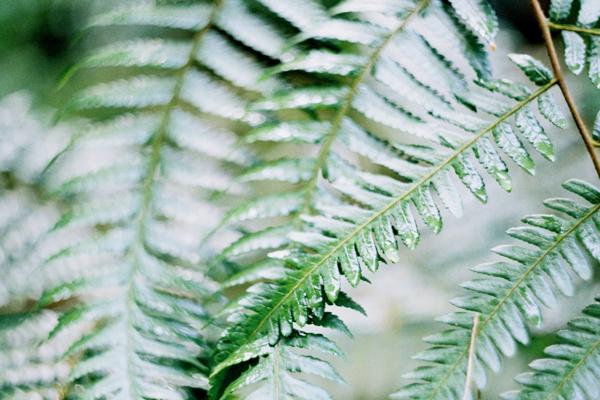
[360, 189]
[508, 295]
[378, 112]
[146, 180]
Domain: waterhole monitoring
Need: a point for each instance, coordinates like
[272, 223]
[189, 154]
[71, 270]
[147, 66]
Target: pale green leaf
[560, 9]
[533, 131]
[550, 111]
[594, 60]
[512, 146]
[190, 18]
[574, 51]
[537, 72]
[479, 16]
[589, 13]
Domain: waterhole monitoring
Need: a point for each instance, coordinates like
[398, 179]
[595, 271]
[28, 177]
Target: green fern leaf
[479, 15]
[145, 180]
[560, 9]
[574, 52]
[508, 294]
[589, 13]
[594, 60]
[570, 370]
[535, 70]
[550, 111]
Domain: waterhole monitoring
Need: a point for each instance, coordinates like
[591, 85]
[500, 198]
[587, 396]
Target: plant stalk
[471, 359]
[573, 28]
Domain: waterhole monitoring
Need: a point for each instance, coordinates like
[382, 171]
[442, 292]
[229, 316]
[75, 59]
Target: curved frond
[572, 367]
[145, 179]
[508, 294]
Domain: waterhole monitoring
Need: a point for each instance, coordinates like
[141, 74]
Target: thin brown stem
[562, 83]
[471, 359]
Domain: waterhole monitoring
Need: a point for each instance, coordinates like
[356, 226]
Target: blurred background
[40, 39]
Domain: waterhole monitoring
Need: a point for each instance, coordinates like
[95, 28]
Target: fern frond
[579, 23]
[570, 370]
[146, 179]
[357, 237]
[508, 294]
[581, 36]
[344, 219]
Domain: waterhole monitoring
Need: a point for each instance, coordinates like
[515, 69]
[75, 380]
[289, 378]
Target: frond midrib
[156, 145]
[573, 28]
[514, 287]
[360, 228]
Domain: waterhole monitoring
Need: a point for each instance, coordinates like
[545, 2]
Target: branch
[562, 83]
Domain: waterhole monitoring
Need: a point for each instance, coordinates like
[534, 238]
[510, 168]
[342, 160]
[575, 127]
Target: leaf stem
[572, 28]
[562, 83]
[471, 359]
